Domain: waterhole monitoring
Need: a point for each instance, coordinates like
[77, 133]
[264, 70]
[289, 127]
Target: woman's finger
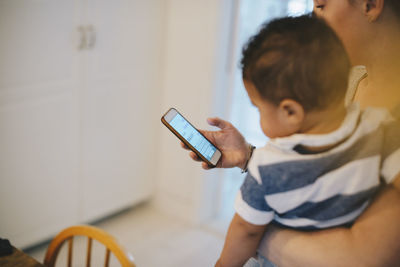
[194, 156]
[217, 122]
[205, 166]
[184, 146]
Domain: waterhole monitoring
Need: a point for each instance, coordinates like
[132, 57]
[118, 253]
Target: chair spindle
[89, 252]
[107, 260]
[70, 249]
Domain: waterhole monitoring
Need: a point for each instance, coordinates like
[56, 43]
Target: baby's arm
[241, 242]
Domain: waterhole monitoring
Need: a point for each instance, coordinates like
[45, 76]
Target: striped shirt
[305, 190]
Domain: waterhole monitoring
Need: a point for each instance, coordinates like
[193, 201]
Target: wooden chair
[125, 258]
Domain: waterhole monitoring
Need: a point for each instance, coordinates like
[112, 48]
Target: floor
[154, 239]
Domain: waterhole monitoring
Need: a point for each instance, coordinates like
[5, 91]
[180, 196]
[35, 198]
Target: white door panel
[39, 132]
[119, 107]
[39, 165]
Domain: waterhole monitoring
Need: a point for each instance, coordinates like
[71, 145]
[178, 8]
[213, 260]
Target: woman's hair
[395, 5]
[299, 58]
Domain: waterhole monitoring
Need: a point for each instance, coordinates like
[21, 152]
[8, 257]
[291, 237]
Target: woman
[370, 31]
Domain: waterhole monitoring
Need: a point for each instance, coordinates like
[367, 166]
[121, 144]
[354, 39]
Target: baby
[323, 162]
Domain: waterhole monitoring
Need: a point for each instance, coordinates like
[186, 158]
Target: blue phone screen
[198, 141]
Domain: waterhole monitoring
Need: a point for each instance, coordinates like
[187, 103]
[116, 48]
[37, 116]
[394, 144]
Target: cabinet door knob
[91, 36]
[82, 38]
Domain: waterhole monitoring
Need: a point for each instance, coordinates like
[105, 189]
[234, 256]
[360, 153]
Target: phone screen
[195, 139]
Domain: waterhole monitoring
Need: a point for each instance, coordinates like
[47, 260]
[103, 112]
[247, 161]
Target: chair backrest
[112, 246]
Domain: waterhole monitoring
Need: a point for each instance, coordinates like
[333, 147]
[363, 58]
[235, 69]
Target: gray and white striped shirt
[319, 190]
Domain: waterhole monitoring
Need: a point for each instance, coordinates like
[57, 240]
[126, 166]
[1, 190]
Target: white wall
[196, 51]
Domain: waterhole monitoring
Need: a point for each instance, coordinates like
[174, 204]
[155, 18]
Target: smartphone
[189, 135]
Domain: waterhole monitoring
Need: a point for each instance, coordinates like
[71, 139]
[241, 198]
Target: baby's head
[291, 68]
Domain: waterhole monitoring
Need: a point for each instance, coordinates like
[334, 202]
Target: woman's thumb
[217, 122]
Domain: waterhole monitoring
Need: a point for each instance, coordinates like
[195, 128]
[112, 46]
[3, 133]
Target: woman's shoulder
[396, 112]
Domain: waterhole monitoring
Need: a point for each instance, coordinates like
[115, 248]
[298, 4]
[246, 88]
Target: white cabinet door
[120, 104]
[38, 119]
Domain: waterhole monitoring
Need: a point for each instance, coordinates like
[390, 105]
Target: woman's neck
[381, 88]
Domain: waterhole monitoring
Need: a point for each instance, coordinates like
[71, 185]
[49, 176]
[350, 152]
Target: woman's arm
[373, 240]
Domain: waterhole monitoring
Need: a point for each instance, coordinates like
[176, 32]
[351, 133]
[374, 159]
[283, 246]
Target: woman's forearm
[373, 240]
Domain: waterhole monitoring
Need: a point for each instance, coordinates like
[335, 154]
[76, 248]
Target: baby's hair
[299, 58]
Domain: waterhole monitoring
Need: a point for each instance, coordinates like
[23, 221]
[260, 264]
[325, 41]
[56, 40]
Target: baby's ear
[292, 112]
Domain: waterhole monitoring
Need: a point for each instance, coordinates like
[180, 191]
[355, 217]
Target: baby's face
[273, 122]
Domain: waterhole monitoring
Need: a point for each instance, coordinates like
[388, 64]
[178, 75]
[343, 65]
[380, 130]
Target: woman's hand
[229, 140]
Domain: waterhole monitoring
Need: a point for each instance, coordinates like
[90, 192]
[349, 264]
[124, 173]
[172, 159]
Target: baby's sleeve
[250, 203]
[391, 152]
